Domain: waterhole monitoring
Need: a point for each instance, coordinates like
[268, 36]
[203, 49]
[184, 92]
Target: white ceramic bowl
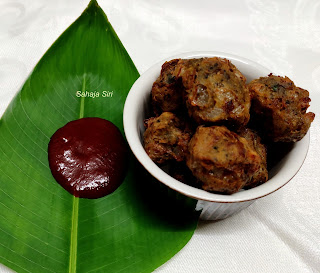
[213, 206]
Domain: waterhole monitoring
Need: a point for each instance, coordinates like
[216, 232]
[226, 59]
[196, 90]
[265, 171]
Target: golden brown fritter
[281, 108]
[215, 91]
[166, 138]
[180, 172]
[261, 175]
[222, 160]
[166, 92]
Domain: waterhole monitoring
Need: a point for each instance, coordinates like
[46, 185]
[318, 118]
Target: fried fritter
[215, 91]
[166, 92]
[281, 108]
[180, 172]
[166, 138]
[261, 175]
[222, 160]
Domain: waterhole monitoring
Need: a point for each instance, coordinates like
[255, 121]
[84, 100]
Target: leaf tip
[93, 3]
[93, 7]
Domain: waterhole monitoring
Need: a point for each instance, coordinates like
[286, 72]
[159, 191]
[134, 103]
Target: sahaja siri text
[94, 94]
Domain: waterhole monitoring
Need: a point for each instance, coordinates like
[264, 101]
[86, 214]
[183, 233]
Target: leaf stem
[75, 205]
[74, 236]
[81, 114]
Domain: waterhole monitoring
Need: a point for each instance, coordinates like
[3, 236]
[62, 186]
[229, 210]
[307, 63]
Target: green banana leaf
[42, 227]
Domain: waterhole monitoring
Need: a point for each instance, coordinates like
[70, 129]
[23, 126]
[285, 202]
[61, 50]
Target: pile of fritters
[202, 108]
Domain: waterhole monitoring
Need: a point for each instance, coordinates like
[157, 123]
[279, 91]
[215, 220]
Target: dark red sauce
[88, 157]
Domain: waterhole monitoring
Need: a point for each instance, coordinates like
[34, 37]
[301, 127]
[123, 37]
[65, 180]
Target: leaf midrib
[75, 205]
[74, 235]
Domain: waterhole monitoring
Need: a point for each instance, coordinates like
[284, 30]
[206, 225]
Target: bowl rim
[139, 90]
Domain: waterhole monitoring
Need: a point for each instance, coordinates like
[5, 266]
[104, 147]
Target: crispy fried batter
[212, 89]
[166, 138]
[180, 172]
[261, 175]
[215, 91]
[223, 161]
[281, 107]
[166, 92]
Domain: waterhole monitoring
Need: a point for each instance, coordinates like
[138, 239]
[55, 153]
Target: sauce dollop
[88, 157]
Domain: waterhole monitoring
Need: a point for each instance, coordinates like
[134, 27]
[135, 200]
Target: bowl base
[219, 211]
